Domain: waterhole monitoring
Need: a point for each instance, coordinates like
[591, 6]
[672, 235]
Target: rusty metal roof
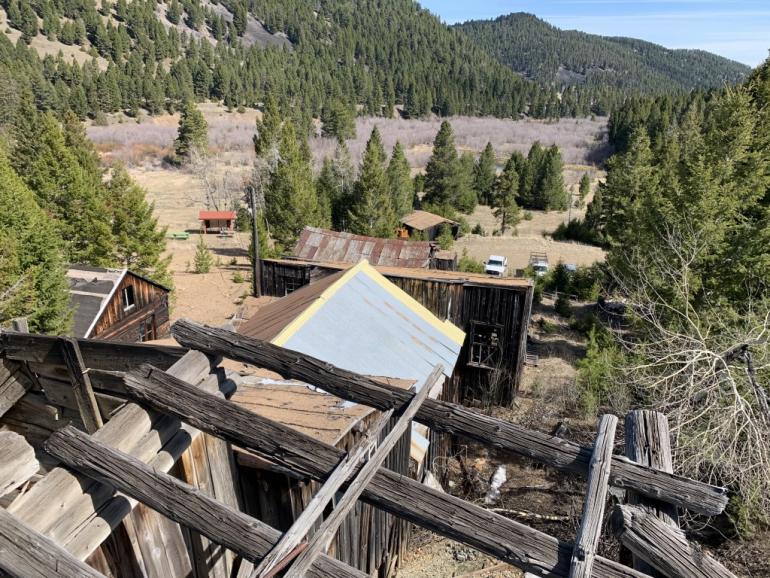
[323, 245]
[216, 215]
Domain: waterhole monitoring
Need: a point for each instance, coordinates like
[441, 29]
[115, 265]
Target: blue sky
[737, 29]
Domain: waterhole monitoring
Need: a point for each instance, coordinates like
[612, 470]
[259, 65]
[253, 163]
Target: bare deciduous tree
[222, 190]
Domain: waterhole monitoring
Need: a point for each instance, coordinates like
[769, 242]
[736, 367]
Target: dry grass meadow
[178, 195]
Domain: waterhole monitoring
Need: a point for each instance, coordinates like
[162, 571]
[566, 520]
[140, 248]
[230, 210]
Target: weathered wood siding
[117, 324]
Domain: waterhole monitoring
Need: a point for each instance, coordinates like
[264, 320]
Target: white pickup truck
[496, 265]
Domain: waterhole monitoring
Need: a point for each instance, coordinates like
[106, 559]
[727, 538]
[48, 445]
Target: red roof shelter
[216, 221]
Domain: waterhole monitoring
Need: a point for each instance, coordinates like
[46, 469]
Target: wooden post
[587, 540]
[256, 282]
[25, 552]
[665, 548]
[20, 324]
[167, 495]
[81, 383]
[647, 443]
[451, 418]
[321, 539]
[315, 509]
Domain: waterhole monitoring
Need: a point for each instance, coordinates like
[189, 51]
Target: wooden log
[321, 539]
[13, 385]
[584, 552]
[451, 418]
[97, 354]
[315, 508]
[18, 462]
[647, 443]
[25, 553]
[508, 540]
[81, 384]
[81, 514]
[665, 548]
[163, 493]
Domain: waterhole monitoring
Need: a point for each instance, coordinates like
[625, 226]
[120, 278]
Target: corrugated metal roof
[324, 245]
[422, 220]
[216, 215]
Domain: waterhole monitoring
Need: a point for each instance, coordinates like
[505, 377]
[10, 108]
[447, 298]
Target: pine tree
[484, 175]
[506, 209]
[372, 212]
[291, 201]
[139, 241]
[32, 272]
[202, 261]
[192, 134]
[467, 199]
[585, 186]
[400, 182]
[553, 194]
[338, 121]
[335, 183]
[63, 188]
[441, 183]
[268, 128]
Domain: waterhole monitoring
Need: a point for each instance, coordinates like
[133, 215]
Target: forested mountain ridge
[367, 56]
[602, 65]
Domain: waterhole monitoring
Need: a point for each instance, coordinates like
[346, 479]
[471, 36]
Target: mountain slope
[552, 56]
[153, 54]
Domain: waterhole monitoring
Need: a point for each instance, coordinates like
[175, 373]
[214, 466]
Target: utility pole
[256, 281]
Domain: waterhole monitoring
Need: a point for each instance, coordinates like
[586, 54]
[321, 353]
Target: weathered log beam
[321, 539]
[18, 461]
[13, 385]
[174, 499]
[451, 418]
[26, 553]
[587, 540]
[452, 517]
[81, 384]
[663, 547]
[105, 355]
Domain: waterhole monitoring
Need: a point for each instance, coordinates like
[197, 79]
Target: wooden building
[217, 221]
[494, 314]
[140, 480]
[427, 226]
[117, 304]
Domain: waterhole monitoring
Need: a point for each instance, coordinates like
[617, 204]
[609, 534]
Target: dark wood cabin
[493, 312]
[117, 305]
[427, 226]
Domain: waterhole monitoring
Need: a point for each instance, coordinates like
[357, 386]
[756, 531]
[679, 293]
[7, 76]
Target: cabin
[217, 221]
[117, 305]
[316, 244]
[427, 226]
[493, 312]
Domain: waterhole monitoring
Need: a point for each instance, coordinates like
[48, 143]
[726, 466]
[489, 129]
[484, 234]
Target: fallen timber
[176, 500]
[454, 419]
[452, 517]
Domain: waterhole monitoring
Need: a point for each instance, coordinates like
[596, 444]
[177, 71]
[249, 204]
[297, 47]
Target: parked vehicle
[496, 265]
[539, 263]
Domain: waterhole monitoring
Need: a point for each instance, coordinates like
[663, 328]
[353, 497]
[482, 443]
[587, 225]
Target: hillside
[555, 57]
[143, 54]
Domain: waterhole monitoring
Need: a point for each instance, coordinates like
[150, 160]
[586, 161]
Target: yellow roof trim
[446, 327]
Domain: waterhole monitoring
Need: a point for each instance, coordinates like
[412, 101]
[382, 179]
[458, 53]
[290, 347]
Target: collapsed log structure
[153, 491]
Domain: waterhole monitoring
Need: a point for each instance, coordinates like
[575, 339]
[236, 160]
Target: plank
[165, 494]
[296, 534]
[647, 442]
[584, 552]
[321, 539]
[13, 385]
[452, 517]
[81, 514]
[665, 548]
[451, 418]
[18, 462]
[25, 553]
[104, 355]
[81, 384]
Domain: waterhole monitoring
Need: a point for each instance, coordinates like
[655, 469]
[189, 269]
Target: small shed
[217, 221]
[117, 305]
[427, 225]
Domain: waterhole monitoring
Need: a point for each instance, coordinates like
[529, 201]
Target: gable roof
[91, 288]
[358, 320]
[216, 215]
[422, 220]
[324, 245]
